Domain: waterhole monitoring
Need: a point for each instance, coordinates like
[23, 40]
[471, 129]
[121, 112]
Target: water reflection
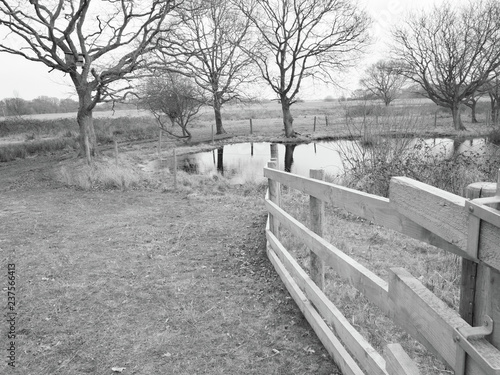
[243, 162]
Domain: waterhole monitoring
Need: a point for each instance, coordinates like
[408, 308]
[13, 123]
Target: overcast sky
[28, 80]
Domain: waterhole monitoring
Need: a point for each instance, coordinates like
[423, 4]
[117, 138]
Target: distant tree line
[15, 106]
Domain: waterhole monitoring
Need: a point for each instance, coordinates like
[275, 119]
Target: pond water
[243, 162]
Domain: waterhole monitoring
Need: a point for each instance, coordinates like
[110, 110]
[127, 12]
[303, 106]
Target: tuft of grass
[103, 173]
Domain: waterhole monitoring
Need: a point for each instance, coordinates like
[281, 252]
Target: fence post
[274, 196]
[251, 127]
[317, 210]
[469, 277]
[326, 120]
[484, 295]
[314, 126]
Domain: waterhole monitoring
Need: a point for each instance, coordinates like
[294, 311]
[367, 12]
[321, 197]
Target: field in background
[29, 135]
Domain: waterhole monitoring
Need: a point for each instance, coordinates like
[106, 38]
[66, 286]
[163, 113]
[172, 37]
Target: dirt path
[156, 283]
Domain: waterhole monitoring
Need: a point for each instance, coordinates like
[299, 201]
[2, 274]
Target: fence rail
[415, 209]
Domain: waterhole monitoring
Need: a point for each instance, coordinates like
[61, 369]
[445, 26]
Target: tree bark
[287, 118]
[457, 119]
[473, 111]
[218, 116]
[88, 140]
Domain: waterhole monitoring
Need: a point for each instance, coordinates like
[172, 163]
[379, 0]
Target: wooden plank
[368, 206]
[430, 321]
[444, 214]
[398, 361]
[317, 212]
[339, 354]
[372, 286]
[362, 351]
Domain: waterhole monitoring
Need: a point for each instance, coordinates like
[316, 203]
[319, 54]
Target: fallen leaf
[117, 369]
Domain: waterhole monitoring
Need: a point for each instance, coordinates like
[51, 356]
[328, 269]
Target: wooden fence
[468, 228]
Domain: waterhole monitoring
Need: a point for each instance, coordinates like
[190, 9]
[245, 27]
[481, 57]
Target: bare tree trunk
[88, 140]
[457, 120]
[218, 115]
[287, 118]
[473, 111]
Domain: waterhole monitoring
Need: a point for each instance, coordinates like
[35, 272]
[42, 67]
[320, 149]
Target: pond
[243, 162]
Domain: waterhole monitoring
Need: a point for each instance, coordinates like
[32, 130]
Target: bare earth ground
[155, 283]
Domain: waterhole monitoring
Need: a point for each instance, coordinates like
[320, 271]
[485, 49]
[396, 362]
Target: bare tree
[492, 88]
[107, 38]
[451, 51]
[302, 39]
[384, 79]
[471, 102]
[206, 46]
[174, 98]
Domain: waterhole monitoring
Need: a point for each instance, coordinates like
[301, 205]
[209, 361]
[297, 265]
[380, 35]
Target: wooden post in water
[274, 196]
[317, 211]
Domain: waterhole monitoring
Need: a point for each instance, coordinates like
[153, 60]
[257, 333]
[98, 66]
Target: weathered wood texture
[340, 355]
[368, 206]
[398, 362]
[444, 214]
[469, 275]
[431, 321]
[317, 212]
[357, 345]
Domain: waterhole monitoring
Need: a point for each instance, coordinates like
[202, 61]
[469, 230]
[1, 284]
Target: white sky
[28, 80]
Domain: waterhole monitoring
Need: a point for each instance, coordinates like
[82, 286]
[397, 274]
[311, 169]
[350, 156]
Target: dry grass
[103, 173]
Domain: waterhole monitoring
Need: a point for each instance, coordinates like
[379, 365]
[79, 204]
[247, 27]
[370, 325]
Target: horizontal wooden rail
[368, 206]
[373, 287]
[444, 214]
[367, 356]
[430, 321]
[398, 362]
